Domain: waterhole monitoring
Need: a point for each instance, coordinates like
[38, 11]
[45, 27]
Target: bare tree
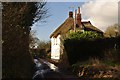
[112, 31]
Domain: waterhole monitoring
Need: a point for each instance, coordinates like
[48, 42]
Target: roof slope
[63, 28]
[88, 25]
[69, 24]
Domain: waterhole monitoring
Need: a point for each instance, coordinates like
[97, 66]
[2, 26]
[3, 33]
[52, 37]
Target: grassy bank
[97, 69]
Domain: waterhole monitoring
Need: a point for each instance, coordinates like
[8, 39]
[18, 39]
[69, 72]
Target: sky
[101, 14]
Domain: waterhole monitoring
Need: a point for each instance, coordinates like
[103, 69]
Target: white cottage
[70, 24]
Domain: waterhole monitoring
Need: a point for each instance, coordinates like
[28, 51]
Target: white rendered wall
[55, 48]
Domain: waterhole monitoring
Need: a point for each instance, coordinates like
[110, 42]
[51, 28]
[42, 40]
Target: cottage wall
[55, 47]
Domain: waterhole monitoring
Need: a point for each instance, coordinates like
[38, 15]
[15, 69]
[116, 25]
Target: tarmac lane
[44, 71]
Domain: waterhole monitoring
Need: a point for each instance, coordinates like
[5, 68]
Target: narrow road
[46, 70]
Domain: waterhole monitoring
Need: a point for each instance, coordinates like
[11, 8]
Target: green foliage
[43, 50]
[86, 35]
[82, 43]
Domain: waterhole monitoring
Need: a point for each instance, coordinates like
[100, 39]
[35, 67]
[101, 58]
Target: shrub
[82, 45]
[86, 35]
[81, 49]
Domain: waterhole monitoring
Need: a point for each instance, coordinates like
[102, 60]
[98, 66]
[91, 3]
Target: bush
[82, 45]
[81, 49]
[86, 35]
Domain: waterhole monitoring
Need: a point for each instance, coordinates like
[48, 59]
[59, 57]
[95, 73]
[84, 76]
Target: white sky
[101, 13]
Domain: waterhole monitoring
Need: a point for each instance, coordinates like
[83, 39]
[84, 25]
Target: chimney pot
[70, 14]
[78, 18]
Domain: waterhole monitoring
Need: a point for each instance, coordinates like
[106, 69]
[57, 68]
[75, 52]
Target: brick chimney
[78, 19]
[70, 14]
[75, 21]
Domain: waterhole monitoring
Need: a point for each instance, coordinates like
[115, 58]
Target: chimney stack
[70, 14]
[75, 21]
[78, 10]
[78, 20]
